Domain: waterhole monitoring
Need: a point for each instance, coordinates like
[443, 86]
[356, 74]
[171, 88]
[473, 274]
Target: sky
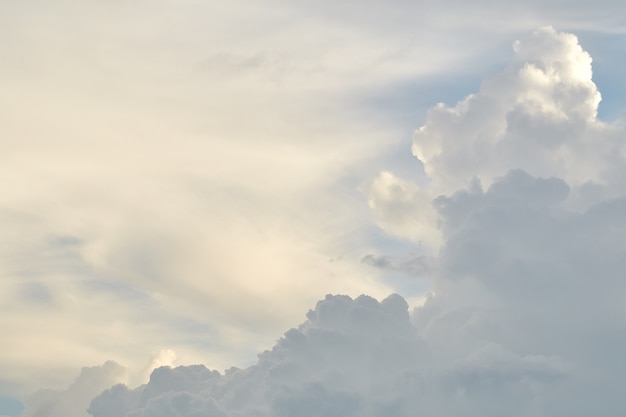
[312, 208]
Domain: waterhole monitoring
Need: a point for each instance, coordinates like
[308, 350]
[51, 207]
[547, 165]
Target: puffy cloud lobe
[74, 400]
[538, 115]
[343, 361]
[91, 381]
[394, 201]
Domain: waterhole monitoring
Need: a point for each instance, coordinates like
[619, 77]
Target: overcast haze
[184, 181]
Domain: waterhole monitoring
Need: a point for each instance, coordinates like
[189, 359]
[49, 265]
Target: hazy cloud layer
[163, 168]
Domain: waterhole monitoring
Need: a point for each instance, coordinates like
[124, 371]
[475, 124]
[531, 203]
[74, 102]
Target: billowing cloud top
[346, 351]
[526, 317]
[538, 115]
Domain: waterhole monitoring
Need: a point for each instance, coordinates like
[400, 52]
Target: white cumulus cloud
[539, 115]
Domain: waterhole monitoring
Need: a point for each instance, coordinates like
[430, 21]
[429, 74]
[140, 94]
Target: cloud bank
[526, 314]
[144, 152]
[145, 146]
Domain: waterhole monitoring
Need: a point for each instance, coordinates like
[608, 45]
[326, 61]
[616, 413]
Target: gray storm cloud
[526, 316]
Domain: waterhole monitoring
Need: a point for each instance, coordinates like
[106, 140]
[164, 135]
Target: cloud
[394, 202]
[521, 271]
[414, 266]
[347, 348]
[539, 115]
[526, 313]
[159, 192]
[74, 400]
[172, 168]
[165, 357]
[352, 357]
